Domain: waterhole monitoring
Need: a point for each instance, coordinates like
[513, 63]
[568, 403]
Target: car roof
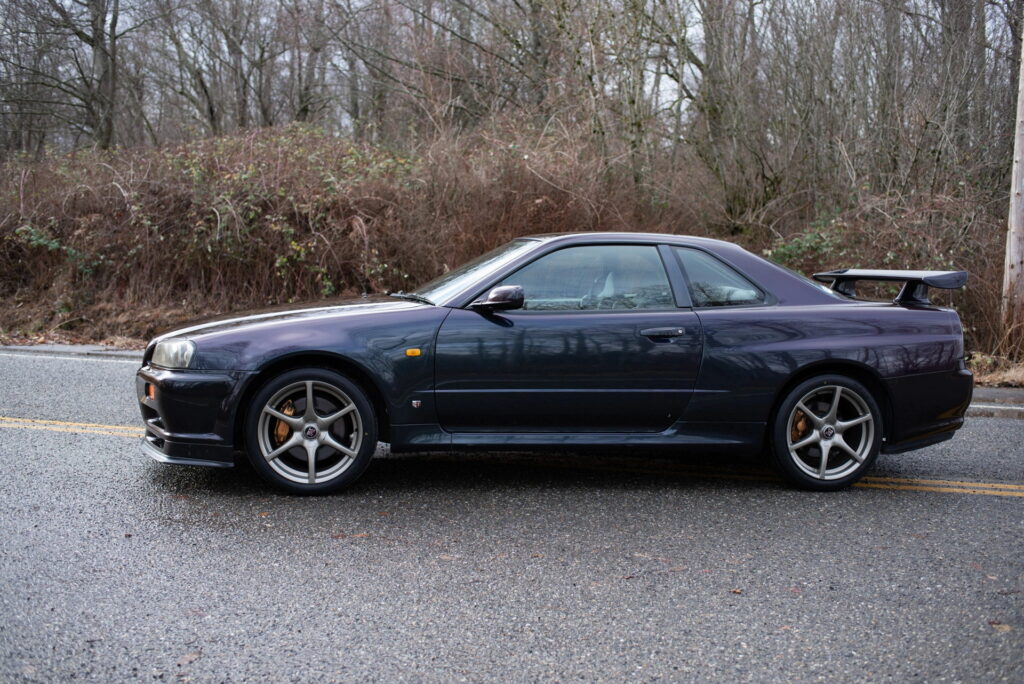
[630, 237]
[787, 286]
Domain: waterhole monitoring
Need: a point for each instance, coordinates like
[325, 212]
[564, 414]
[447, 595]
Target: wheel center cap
[310, 432]
[828, 432]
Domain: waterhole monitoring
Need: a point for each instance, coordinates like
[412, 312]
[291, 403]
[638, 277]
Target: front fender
[377, 345]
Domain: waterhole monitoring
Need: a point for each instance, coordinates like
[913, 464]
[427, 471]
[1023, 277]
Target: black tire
[342, 448]
[851, 434]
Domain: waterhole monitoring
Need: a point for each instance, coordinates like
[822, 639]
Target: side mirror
[501, 299]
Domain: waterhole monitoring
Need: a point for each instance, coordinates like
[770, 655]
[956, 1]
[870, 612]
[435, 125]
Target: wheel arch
[862, 373]
[328, 360]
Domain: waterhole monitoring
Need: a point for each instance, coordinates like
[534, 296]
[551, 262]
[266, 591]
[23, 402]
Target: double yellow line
[897, 483]
[65, 426]
[952, 486]
[685, 470]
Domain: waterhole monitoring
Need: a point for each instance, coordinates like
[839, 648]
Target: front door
[600, 346]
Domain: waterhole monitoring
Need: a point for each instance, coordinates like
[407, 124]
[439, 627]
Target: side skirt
[732, 437]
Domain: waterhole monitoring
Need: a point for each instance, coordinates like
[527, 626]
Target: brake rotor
[282, 429]
[799, 426]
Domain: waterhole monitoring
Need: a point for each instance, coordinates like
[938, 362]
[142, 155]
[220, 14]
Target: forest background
[166, 159]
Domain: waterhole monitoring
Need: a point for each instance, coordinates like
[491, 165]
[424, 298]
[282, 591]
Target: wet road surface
[492, 566]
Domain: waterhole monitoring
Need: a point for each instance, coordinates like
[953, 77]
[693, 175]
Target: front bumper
[190, 419]
[160, 450]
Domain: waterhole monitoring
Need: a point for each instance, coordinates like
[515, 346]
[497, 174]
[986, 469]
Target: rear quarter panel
[750, 354]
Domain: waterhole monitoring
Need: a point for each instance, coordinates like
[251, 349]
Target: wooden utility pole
[1013, 272]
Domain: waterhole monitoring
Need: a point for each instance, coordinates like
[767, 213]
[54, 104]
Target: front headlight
[173, 353]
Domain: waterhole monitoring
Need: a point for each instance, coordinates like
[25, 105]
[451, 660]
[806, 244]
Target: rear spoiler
[915, 291]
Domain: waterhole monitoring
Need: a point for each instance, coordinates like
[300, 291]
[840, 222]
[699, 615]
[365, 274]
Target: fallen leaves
[189, 658]
[1000, 626]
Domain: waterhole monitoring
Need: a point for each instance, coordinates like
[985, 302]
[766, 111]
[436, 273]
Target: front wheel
[827, 433]
[310, 431]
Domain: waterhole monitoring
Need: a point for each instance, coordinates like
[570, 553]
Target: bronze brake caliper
[282, 429]
[799, 426]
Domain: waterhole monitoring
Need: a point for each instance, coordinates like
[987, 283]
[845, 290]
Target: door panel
[569, 371]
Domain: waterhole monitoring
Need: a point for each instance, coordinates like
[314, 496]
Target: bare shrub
[97, 244]
[934, 232]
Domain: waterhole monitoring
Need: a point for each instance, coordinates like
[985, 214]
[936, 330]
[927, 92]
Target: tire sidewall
[354, 392]
[780, 427]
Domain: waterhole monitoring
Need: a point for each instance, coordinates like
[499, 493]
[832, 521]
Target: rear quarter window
[712, 283]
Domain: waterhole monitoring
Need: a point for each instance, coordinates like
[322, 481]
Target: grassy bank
[101, 246]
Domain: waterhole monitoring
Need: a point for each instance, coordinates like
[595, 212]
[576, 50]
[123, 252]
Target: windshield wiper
[411, 297]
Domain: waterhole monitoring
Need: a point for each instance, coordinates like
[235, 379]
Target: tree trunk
[240, 84]
[354, 111]
[889, 115]
[1013, 273]
[104, 56]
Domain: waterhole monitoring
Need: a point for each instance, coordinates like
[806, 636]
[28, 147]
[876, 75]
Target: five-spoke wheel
[827, 432]
[310, 430]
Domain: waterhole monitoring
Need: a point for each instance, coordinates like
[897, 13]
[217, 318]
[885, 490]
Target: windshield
[442, 288]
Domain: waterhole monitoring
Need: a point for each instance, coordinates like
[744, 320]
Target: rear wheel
[310, 431]
[827, 433]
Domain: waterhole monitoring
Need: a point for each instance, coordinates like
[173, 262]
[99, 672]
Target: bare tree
[79, 69]
[790, 107]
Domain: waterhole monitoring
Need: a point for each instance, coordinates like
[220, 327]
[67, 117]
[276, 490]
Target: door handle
[663, 332]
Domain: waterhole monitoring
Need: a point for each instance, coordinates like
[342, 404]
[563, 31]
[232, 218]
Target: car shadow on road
[468, 471]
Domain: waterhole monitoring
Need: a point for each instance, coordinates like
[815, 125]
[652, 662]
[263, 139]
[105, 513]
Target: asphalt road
[482, 567]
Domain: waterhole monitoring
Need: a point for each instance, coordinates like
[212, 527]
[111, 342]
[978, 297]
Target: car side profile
[571, 340]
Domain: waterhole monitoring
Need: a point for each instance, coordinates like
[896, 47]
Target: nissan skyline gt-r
[571, 341]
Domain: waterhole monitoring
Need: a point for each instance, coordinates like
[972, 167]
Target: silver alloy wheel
[323, 432]
[830, 432]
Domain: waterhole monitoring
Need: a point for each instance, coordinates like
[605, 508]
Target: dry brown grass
[997, 371]
[95, 246]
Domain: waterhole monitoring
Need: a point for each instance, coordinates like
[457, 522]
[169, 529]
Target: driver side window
[595, 277]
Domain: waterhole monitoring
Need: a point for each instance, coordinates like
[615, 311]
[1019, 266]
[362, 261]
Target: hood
[275, 315]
